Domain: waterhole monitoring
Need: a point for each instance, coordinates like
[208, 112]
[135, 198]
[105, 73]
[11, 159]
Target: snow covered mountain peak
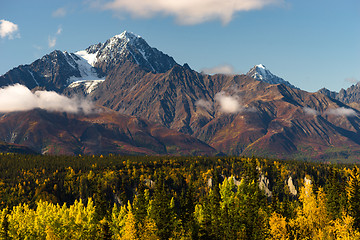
[261, 66]
[261, 73]
[127, 36]
[126, 46]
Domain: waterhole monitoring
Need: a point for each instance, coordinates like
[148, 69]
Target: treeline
[123, 197]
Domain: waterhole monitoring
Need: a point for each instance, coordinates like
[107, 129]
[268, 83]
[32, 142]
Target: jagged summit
[126, 46]
[261, 73]
[129, 36]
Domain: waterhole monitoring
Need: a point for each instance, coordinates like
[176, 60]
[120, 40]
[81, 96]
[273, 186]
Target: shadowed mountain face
[14, 148]
[99, 133]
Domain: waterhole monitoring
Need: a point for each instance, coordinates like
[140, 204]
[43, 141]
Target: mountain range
[149, 104]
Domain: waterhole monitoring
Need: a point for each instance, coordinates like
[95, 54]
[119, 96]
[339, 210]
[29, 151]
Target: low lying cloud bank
[310, 111]
[20, 98]
[348, 112]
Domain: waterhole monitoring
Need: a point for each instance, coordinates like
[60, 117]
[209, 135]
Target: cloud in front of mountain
[20, 98]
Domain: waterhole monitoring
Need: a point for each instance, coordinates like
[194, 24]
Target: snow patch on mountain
[89, 57]
[261, 73]
[87, 71]
[88, 85]
[32, 75]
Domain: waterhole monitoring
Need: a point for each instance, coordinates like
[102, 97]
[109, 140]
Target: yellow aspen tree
[278, 229]
[129, 231]
[311, 220]
[343, 228]
[4, 224]
[118, 219]
[148, 230]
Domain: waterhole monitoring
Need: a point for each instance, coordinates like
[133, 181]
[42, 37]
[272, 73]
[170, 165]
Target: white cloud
[8, 29]
[228, 104]
[60, 12]
[351, 80]
[223, 69]
[59, 31]
[51, 41]
[310, 111]
[348, 112]
[185, 11]
[20, 98]
[207, 105]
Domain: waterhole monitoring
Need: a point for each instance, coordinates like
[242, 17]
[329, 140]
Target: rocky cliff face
[350, 95]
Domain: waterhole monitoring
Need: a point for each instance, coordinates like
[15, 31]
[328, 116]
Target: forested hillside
[119, 197]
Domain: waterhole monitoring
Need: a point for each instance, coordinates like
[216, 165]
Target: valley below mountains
[148, 104]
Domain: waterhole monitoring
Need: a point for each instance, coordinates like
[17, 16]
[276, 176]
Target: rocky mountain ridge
[349, 95]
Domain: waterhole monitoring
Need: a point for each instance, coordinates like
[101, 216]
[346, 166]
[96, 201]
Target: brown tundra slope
[98, 133]
[271, 120]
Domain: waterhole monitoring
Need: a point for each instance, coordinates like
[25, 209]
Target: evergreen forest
[164, 197]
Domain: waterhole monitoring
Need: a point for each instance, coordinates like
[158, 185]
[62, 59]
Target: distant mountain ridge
[350, 95]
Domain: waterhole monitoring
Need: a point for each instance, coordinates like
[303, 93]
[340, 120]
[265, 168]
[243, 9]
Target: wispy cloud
[351, 80]
[207, 105]
[310, 111]
[223, 69]
[8, 29]
[348, 112]
[186, 12]
[60, 12]
[20, 98]
[59, 31]
[52, 39]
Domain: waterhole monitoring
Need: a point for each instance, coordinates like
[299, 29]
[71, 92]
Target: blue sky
[310, 43]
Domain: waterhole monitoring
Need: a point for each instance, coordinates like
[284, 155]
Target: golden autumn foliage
[151, 197]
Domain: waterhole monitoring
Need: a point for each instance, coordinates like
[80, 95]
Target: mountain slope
[99, 133]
